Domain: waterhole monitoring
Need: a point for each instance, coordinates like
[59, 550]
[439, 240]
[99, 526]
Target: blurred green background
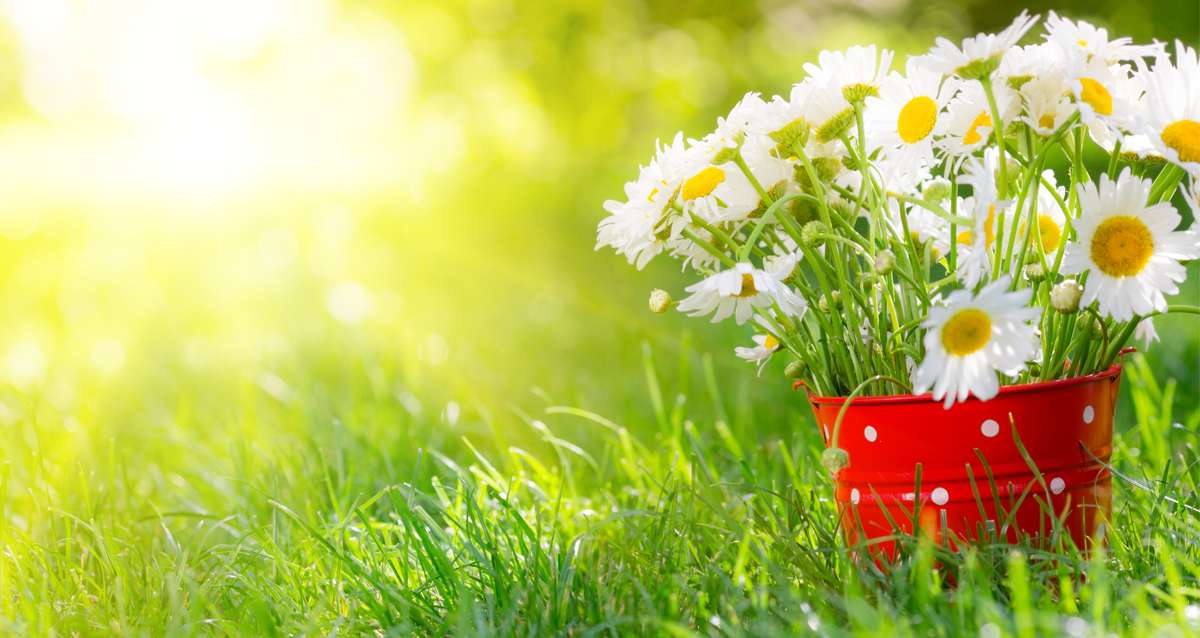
[230, 222]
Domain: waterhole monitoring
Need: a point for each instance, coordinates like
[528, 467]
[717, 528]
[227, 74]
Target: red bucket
[1064, 426]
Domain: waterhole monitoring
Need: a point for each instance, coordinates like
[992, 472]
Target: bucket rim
[1021, 388]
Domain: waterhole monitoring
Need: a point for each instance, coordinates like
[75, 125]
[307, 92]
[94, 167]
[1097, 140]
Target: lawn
[324, 498]
[381, 383]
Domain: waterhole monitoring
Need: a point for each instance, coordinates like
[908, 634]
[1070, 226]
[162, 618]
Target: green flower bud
[1065, 295]
[1035, 271]
[1088, 324]
[936, 190]
[660, 301]
[794, 369]
[885, 260]
[835, 459]
[832, 299]
[810, 231]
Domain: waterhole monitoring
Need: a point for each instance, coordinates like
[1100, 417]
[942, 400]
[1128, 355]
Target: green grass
[318, 503]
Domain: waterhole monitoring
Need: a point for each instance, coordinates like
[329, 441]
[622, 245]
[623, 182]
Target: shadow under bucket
[959, 473]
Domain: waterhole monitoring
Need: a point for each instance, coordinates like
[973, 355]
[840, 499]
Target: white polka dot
[1089, 414]
[990, 428]
[854, 495]
[1057, 485]
[870, 434]
[940, 496]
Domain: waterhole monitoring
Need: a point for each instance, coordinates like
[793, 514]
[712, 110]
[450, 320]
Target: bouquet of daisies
[896, 228]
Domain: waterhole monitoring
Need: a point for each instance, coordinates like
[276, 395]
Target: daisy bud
[810, 231]
[830, 300]
[885, 260]
[1034, 271]
[794, 369]
[834, 459]
[1089, 325]
[936, 190]
[660, 301]
[1064, 296]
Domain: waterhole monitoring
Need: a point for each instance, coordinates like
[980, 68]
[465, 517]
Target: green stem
[998, 131]
[707, 246]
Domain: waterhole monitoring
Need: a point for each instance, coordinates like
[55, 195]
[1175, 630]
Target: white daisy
[1022, 63]
[972, 337]
[980, 55]
[969, 118]
[768, 168]
[855, 73]
[717, 193]
[1135, 147]
[1107, 97]
[765, 345]
[1047, 103]
[1145, 332]
[985, 208]
[1051, 219]
[732, 129]
[637, 227]
[1130, 251]
[1085, 40]
[1191, 198]
[907, 114]
[1171, 109]
[780, 111]
[740, 291]
[830, 114]
[974, 259]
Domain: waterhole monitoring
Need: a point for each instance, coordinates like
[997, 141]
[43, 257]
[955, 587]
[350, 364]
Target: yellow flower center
[1050, 232]
[1046, 121]
[1096, 95]
[1184, 137]
[967, 237]
[770, 343]
[1082, 43]
[748, 289]
[973, 136]
[916, 119]
[1122, 245]
[701, 184]
[968, 331]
